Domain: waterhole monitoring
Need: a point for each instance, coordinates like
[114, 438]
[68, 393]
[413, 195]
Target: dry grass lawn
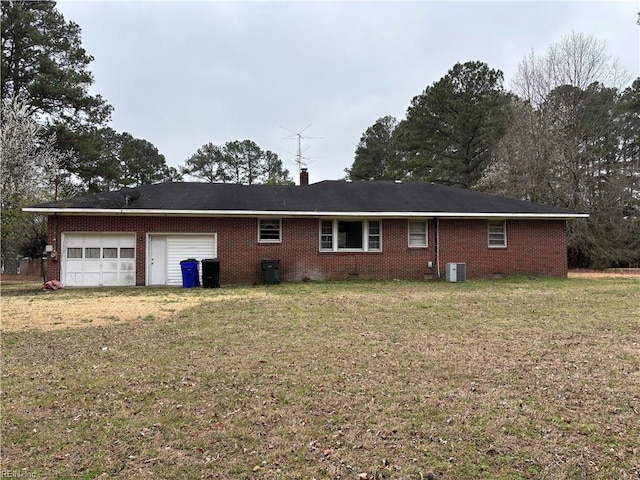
[505, 379]
[74, 308]
[71, 309]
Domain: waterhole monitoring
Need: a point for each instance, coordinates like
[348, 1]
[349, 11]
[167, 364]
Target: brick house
[326, 230]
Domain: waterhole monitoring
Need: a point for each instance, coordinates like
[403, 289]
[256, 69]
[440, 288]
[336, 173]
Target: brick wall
[534, 248]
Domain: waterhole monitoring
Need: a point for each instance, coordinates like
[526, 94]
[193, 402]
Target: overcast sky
[182, 74]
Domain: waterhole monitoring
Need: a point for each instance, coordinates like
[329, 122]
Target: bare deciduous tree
[30, 173]
[567, 145]
[576, 60]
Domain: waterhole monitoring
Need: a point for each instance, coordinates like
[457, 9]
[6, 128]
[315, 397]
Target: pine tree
[44, 64]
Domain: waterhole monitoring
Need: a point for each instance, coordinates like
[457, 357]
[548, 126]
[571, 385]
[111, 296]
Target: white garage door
[91, 260]
[186, 246]
[167, 251]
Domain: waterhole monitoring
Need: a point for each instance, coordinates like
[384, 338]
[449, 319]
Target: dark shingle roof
[327, 196]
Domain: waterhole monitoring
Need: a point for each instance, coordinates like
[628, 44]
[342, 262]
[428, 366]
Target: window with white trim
[417, 233]
[375, 240]
[269, 230]
[351, 235]
[497, 233]
[326, 235]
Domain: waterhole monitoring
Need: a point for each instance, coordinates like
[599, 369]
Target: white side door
[158, 260]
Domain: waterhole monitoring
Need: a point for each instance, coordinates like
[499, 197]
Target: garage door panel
[92, 266]
[115, 241]
[127, 266]
[74, 265]
[110, 266]
[73, 279]
[89, 278]
[110, 279]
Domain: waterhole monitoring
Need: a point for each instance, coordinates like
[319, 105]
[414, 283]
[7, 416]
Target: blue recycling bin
[190, 274]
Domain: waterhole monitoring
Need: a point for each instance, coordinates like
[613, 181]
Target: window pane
[418, 234]
[374, 235]
[109, 253]
[349, 234]
[326, 235]
[127, 253]
[417, 227]
[92, 252]
[74, 253]
[270, 230]
[497, 234]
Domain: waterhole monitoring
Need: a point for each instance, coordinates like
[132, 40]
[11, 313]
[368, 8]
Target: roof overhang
[288, 213]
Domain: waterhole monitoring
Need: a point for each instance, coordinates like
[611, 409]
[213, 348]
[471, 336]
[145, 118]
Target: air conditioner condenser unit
[456, 272]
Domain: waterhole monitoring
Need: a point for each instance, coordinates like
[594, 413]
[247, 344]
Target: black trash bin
[190, 276]
[210, 273]
[270, 272]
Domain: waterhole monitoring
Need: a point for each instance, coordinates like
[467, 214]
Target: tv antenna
[299, 137]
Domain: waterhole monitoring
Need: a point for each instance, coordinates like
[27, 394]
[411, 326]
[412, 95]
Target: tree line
[241, 162]
[56, 141]
[566, 134]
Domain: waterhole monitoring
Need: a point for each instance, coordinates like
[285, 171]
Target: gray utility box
[456, 272]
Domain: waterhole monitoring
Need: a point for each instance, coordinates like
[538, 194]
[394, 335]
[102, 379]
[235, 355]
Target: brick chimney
[304, 177]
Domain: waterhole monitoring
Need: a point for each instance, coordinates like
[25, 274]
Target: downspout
[437, 249]
[54, 253]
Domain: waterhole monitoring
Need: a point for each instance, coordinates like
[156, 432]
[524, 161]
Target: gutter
[437, 249]
[292, 213]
